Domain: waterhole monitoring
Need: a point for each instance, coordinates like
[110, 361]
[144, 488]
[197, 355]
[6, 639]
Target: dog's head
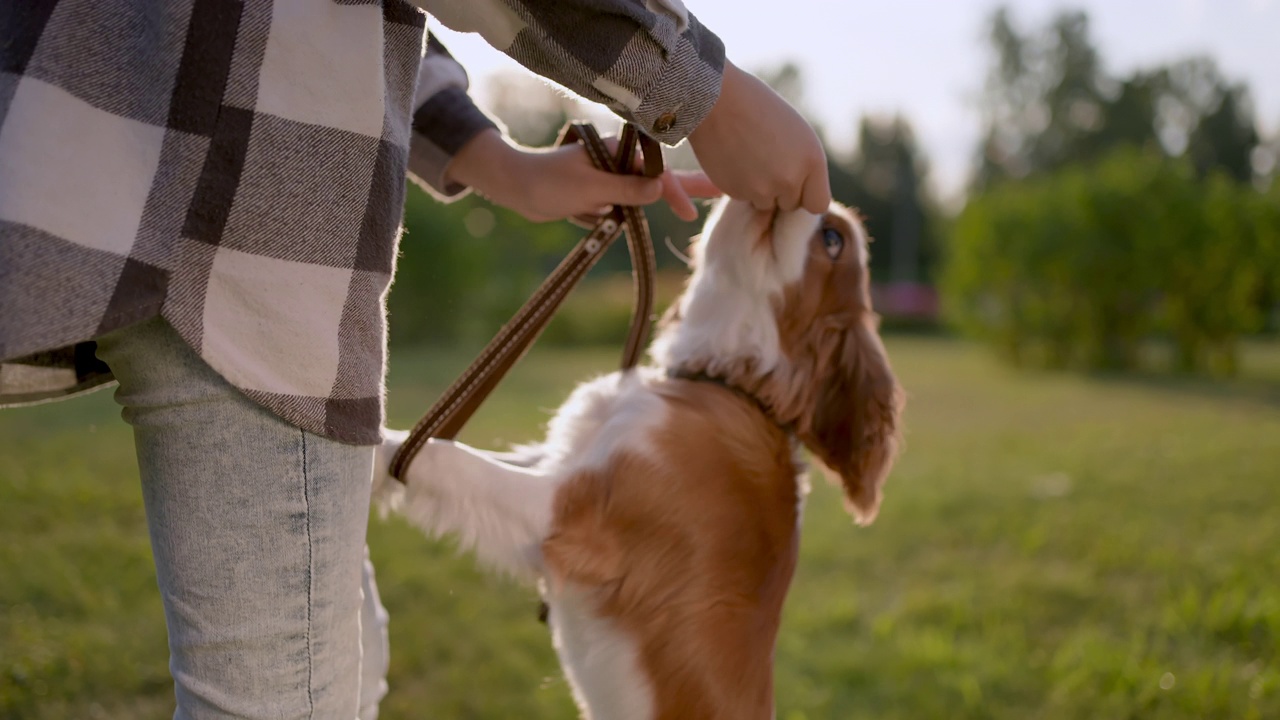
[779, 305]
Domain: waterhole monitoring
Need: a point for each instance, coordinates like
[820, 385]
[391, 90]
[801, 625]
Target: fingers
[680, 186]
[678, 198]
[789, 199]
[696, 184]
[816, 197]
[677, 189]
[584, 189]
[626, 190]
[637, 158]
[813, 195]
[768, 175]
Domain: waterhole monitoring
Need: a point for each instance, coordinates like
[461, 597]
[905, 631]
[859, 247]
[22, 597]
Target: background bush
[1085, 266]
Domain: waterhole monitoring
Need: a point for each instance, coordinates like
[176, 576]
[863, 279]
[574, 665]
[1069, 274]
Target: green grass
[1051, 546]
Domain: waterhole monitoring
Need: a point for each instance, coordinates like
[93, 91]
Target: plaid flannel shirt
[238, 168]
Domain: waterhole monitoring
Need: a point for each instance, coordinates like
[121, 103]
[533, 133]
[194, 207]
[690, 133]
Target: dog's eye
[833, 241]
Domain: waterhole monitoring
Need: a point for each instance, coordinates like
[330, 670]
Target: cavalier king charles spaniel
[660, 518]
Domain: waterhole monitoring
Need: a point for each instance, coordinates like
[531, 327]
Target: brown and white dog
[661, 515]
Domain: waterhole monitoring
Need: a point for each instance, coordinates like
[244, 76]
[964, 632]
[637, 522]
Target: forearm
[651, 62]
[445, 121]
[484, 163]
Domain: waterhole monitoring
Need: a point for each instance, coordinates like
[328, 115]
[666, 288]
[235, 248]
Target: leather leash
[460, 401]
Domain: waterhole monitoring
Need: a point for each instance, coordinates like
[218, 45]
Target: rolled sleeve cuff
[442, 125]
[686, 87]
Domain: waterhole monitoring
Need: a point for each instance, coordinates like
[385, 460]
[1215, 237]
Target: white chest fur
[601, 418]
[602, 663]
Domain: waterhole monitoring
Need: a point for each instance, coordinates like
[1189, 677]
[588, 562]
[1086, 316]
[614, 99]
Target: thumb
[628, 190]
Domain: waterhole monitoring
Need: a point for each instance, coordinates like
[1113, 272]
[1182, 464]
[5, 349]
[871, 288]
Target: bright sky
[927, 58]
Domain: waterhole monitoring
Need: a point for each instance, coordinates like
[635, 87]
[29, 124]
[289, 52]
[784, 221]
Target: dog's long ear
[853, 424]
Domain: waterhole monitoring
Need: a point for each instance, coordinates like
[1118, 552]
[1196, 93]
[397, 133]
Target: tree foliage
[886, 180]
[1084, 267]
[1048, 102]
[1111, 212]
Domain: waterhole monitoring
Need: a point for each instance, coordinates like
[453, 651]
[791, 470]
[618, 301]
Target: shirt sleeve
[444, 119]
[650, 61]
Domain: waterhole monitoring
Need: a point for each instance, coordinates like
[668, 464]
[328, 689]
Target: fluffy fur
[660, 517]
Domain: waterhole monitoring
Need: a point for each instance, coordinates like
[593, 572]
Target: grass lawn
[1051, 546]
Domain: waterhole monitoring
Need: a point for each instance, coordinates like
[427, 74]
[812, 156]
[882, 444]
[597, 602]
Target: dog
[660, 517]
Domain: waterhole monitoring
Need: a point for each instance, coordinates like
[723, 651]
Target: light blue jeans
[258, 531]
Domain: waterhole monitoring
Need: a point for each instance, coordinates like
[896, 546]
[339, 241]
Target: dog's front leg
[499, 510]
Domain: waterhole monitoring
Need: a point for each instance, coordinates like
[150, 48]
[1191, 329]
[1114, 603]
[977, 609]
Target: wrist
[730, 87]
[479, 162]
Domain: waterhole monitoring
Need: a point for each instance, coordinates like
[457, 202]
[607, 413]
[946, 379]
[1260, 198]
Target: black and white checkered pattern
[238, 168]
[650, 61]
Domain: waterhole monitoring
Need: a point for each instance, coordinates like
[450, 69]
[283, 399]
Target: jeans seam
[311, 574]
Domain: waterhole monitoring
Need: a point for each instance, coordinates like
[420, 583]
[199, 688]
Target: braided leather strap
[460, 401]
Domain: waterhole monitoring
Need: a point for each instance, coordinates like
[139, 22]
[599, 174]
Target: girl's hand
[560, 183]
[757, 148]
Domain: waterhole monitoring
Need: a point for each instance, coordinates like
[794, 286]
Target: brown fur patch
[692, 555]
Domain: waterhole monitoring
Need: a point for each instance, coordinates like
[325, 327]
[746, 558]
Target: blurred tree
[1130, 118]
[1047, 103]
[1267, 213]
[1266, 160]
[1042, 101]
[1081, 267]
[1226, 137]
[1072, 96]
[1136, 215]
[886, 180]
